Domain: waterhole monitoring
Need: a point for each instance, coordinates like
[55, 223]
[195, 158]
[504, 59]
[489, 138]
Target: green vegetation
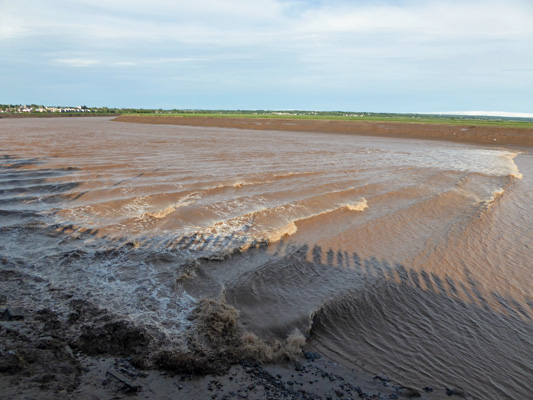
[292, 114]
[347, 116]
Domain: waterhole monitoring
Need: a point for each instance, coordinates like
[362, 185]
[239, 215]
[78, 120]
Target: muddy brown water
[404, 257]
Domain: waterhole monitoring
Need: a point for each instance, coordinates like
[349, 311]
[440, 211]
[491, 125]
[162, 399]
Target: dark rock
[50, 343]
[409, 392]
[428, 389]
[311, 356]
[339, 393]
[73, 317]
[10, 363]
[44, 378]
[298, 366]
[359, 391]
[85, 310]
[45, 314]
[12, 314]
[188, 362]
[50, 319]
[139, 361]
[117, 338]
[383, 378]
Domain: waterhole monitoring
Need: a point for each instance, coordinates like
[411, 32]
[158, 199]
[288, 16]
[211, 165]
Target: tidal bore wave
[402, 257]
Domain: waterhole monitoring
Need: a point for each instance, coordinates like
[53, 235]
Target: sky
[359, 55]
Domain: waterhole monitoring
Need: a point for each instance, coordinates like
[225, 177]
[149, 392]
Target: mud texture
[71, 349]
[454, 133]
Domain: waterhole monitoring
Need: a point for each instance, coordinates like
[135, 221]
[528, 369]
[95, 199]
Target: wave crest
[165, 212]
[361, 205]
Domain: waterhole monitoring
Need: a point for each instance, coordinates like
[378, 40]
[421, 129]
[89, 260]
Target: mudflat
[455, 133]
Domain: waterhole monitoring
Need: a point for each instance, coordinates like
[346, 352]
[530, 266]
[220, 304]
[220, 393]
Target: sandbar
[478, 134]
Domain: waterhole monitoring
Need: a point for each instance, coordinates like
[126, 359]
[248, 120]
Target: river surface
[403, 257]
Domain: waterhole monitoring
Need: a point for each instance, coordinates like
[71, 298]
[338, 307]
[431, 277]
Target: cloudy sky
[358, 55]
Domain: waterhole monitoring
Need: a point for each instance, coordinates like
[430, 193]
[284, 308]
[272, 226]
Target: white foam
[361, 205]
[514, 171]
[278, 234]
[166, 211]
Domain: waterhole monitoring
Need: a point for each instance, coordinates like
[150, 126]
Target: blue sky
[380, 56]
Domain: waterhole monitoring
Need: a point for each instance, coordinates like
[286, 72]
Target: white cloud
[241, 22]
[77, 62]
[333, 44]
[81, 62]
[427, 18]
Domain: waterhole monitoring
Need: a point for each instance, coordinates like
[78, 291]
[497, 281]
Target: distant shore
[55, 115]
[480, 134]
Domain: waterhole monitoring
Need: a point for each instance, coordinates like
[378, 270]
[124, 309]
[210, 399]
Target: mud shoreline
[55, 346]
[455, 133]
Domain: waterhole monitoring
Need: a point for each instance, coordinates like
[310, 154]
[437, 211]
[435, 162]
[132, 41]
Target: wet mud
[454, 133]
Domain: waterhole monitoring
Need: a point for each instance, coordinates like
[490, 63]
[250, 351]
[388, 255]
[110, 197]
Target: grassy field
[397, 118]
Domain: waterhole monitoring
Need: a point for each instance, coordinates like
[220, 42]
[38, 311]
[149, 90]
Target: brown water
[403, 257]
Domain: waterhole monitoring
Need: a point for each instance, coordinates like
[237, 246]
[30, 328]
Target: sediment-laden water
[404, 257]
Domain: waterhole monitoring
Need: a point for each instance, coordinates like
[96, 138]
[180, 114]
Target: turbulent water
[403, 257]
